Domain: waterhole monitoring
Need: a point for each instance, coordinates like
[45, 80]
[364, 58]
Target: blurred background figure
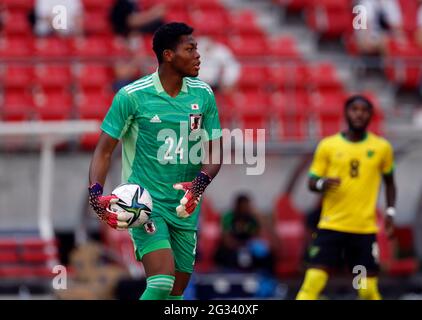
[46, 15]
[219, 67]
[419, 24]
[128, 17]
[383, 20]
[2, 15]
[130, 20]
[95, 275]
[242, 243]
[126, 71]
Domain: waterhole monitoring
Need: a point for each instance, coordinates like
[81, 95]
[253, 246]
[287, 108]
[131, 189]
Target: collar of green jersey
[159, 87]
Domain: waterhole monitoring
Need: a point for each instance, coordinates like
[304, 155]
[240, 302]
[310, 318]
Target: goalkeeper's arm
[213, 157]
[194, 190]
[101, 159]
[98, 169]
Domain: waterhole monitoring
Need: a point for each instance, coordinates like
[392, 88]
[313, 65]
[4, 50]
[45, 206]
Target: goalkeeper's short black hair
[359, 98]
[168, 36]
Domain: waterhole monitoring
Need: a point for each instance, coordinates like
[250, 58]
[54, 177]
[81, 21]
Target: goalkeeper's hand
[100, 205]
[193, 192]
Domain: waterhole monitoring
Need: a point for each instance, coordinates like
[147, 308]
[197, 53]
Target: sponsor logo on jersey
[371, 153]
[195, 106]
[313, 251]
[155, 119]
[195, 121]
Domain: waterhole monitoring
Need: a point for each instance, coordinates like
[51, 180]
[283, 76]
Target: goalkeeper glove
[101, 203]
[193, 192]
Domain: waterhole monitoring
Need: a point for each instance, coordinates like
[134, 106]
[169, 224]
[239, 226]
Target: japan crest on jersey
[195, 121]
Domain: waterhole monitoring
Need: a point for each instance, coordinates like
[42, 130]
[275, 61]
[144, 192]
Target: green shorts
[162, 236]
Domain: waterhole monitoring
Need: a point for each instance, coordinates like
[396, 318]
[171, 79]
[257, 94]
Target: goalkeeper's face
[186, 57]
[358, 116]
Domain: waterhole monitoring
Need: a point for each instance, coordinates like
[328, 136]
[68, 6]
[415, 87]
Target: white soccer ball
[134, 205]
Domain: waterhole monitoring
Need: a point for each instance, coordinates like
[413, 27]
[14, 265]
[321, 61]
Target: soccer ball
[134, 205]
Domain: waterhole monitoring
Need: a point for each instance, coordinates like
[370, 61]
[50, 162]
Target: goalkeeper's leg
[159, 268]
[180, 284]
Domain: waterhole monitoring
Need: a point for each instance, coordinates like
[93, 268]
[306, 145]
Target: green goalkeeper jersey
[161, 138]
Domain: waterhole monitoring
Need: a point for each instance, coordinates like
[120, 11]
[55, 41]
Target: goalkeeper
[149, 116]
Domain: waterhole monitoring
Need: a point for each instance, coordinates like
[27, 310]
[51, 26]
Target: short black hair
[358, 98]
[168, 36]
[241, 198]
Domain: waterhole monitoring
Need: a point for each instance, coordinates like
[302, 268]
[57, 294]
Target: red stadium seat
[53, 76]
[253, 76]
[17, 107]
[251, 109]
[323, 77]
[16, 23]
[181, 14]
[330, 23]
[90, 47]
[291, 112]
[225, 110]
[244, 23]
[52, 47]
[206, 4]
[403, 64]
[93, 76]
[290, 231]
[248, 46]
[92, 106]
[53, 106]
[16, 47]
[409, 10]
[97, 23]
[209, 22]
[17, 76]
[284, 47]
[331, 4]
[21, 5]
[27, 258]
[289, 76]
[97, 4]
[8, 257]
[328, 110]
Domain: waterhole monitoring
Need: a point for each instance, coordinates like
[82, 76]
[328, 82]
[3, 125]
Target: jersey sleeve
[119, 116]
[211, 120]
[387, 166]
[320, 161]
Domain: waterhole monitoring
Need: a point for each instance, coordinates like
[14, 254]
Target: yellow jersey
[351, 207]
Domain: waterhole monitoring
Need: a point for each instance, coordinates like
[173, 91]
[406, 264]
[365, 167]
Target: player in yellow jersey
[347, 169]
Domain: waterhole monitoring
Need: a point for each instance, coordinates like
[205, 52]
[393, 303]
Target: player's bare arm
[212, 147]
[98, 169]
[101, 159]
[390, 196]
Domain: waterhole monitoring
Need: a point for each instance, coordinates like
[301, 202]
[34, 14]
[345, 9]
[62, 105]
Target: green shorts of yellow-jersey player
[164, 235]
